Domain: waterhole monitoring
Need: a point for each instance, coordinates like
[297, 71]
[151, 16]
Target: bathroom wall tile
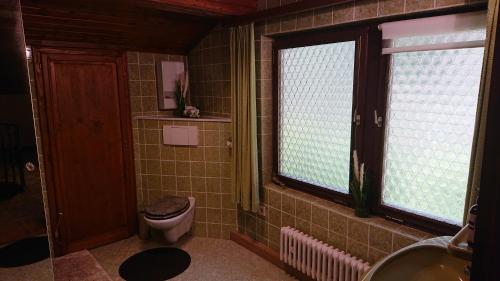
[390, 7]
[148, 88]
[167, 152]
[289, 23]
[146, 58]
[132, 57]
[198, 184]
[343, 13]
[197, 153]
[337, 223]
[357, 249]
[214, 230]
[357, 230]
[380, 239]
[288, 204]
[197, 169]
[319, 232]
[338, 241]
[418, 5]
[303, 209]
[153, 181]
[227, 229]
[273, 26]
[201, 199]
[182, 168]
[153, 167]
[226, 185]
[147, 72]
[323, 16]
[365, 9]
[303, 225]
[200, 215]
[134, 88]
[305, 20]
[212, 154]
[274, 199]
[183, 183]
[214, 215]
[444, 3]
[133, 72]
[213, 169]
[214, 200]
[288, 220]
[320, 216]
[227, 202]
[200, 229]
[229, 216]
[181, 153]
[213, 184]
[375, 255]
[168, 183]
[226, 170]
[274, 234]
[400, 241]
[274, 216]
[167, 167]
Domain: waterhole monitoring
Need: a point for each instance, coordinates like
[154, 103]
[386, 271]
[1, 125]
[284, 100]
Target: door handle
[30, 167]
[57, 234]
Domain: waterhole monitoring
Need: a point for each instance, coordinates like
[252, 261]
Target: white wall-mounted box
[180, 135]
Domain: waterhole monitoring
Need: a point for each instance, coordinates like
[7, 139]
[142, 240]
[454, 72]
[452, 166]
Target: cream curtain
[245, 164]
[484, 96]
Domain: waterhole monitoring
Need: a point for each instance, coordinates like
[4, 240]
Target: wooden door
[85, 118]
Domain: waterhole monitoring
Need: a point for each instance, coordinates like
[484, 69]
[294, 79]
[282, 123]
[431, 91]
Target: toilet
[173, 215]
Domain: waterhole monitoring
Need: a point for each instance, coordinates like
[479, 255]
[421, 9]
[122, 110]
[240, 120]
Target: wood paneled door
[87, 143]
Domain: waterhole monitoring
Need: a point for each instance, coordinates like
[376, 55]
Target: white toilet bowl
[174, 228]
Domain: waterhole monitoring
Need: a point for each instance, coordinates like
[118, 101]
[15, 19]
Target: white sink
[428, 260]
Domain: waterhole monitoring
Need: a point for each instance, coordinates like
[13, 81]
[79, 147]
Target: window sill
[206, 118]
[348, 213]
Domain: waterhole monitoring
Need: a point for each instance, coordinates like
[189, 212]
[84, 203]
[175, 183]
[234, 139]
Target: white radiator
[317, 259]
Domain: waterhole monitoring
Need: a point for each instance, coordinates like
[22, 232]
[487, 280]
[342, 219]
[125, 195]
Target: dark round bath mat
[155, 264]
[9, 190]
[24, 252]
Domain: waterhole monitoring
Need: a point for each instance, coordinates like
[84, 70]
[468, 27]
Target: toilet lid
[167, 207]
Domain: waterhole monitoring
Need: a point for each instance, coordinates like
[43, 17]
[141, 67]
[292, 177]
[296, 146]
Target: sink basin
[428, 260]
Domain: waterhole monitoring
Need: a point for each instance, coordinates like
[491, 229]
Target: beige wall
[209, 74]
[370, 238]
[203, 171]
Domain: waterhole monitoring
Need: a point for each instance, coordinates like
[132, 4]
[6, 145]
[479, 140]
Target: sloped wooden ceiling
[172, 26]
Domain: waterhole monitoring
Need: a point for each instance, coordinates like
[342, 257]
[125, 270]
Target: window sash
[360, 36]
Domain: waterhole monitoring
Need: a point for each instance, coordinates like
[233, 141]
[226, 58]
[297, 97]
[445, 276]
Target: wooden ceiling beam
[129, 27]
[292, 8]
[208, 7]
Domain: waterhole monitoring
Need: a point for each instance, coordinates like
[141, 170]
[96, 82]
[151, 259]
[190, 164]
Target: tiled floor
[211, 259]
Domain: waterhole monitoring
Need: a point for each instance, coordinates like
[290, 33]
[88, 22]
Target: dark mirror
[24, 246]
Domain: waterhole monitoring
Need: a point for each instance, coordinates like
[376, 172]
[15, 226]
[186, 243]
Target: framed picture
[167, 73]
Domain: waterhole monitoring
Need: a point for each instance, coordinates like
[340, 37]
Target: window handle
[378, 119]
[356, 118]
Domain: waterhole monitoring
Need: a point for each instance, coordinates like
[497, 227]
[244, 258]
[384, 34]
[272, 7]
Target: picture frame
[167, 72]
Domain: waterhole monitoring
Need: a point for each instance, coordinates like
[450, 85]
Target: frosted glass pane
[429, 131]
[315, 114]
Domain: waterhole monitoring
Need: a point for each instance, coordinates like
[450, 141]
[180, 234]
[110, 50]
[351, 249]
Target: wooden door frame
[47, 144]
[487, 244]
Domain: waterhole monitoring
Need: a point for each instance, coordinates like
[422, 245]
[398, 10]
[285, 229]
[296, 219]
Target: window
[418, 154]
[315, 97]
[431, 110]
[316, 91]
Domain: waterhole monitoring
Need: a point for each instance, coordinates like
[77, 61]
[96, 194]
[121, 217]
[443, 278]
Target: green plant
[179, 98]
[360, 188]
